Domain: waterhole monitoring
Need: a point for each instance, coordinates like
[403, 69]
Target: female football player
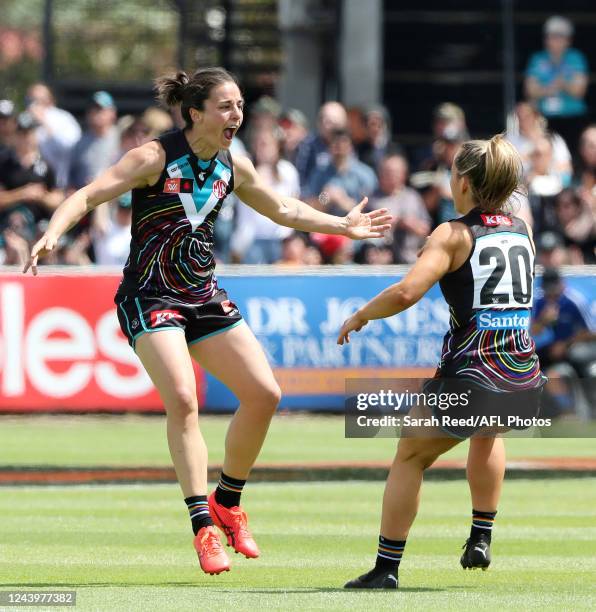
[484, 263]
[169, 303]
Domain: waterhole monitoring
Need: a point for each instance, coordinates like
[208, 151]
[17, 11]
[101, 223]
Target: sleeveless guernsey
[171, 249]
[490, 299]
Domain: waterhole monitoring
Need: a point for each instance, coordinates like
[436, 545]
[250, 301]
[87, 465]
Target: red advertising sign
[61, 347]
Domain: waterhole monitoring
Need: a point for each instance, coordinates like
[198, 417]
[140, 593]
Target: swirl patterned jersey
[171, 249]
[490, 299]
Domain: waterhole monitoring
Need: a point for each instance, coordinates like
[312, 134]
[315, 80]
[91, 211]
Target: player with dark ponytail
[169, 303]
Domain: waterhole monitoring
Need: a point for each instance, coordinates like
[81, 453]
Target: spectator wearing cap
[29, 183]
[445, 115]
[313, 152]
[560, 318]
[378, 143]
[411, 221]
[99, 145]
[557, 79]
[257, 239]
[58, 130]
[562, 322]
[532, 127]
[550, 250]
[340, 184]
[111, 243]
[294, 126]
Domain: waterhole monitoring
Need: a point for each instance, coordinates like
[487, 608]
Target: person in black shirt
[28, 183]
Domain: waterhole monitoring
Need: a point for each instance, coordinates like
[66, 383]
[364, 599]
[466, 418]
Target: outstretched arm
[300, 216]
[435, 260]
[133, 170]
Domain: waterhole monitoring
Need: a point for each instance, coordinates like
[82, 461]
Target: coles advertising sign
[61, 347]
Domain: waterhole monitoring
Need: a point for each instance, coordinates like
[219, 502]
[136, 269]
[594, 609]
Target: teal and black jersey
[171, 250]
[490, 299]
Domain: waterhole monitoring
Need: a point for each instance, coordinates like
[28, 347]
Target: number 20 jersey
[490, 299]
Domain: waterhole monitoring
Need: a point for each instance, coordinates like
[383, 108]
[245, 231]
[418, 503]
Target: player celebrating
[484, 262]
[169, 304]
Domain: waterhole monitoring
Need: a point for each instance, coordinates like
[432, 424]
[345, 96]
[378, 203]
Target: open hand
[360, 226]
[41, 248]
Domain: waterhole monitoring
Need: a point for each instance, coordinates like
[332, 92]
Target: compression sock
[198, 508]
[228, 491]
[389, 554]
[482, 524]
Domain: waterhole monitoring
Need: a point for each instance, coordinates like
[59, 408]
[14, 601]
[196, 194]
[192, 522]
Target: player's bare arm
[438, 257]
[298, 215]
[137, 168]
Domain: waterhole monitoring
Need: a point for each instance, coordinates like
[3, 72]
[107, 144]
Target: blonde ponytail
[494, 170]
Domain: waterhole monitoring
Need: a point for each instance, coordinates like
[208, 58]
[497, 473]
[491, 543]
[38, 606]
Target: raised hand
[367, 225]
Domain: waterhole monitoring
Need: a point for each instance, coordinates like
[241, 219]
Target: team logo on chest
[178, 185]
[220, 189]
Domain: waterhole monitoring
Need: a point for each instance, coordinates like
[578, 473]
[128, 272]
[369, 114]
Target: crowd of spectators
[350, 153]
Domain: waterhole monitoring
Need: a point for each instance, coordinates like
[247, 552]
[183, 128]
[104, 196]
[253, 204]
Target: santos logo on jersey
[159, 317]
[496, 220]
[503, 319]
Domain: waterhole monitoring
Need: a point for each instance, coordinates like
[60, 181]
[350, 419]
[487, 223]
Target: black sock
[389, 554]
[228, 491]
[198, 507]
[482, 524]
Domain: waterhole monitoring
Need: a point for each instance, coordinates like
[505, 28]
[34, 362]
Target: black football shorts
[471, 409]
[147, 314]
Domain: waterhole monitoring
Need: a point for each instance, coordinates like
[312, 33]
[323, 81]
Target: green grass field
[126, 548]
[136, 440]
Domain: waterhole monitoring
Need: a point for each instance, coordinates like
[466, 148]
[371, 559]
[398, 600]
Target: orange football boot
[212, 556]
[234, 523]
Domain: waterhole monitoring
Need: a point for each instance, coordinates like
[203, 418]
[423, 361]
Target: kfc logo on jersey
[178, 185]
[220, 189]
[495, 220]
[159, 317]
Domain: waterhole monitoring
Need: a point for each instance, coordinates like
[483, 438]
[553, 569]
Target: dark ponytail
[170, 89]
[190, 92]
